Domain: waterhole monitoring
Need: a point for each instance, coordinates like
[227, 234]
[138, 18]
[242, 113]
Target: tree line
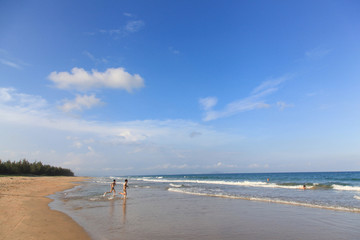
[36, 168]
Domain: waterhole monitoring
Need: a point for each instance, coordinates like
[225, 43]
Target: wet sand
[25, 213]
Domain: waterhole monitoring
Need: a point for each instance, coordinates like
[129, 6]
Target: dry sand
[24, 210]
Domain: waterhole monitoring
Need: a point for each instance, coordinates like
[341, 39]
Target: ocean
[202, 206]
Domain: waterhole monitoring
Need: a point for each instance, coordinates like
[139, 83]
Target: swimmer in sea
[125, 186]
[304, 187]
[112, 190]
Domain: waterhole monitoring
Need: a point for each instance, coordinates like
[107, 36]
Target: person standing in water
[125, 186]
[112, 190]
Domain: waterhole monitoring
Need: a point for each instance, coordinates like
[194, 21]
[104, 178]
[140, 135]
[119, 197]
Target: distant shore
[25, 213]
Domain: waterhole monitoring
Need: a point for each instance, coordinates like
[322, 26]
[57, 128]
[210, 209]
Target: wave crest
[311, 205]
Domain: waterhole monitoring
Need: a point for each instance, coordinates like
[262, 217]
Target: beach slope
[25, 213]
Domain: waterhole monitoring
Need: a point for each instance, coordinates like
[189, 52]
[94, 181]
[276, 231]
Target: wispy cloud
[34, 111]
[126, 14]
[8, 60]
[171, 166]
[317, 53]
[283, 105]
[9, 63]
[315, 93]
[222, 165]
[208, 102]
[80, 79]
[269, 85]
[90, 145]
[256, 100]
[130, 27]
[6, 94]
[80, 103]
[217, 166]
[134, 26]
[11, 97]
[173, 50]
[95, 59]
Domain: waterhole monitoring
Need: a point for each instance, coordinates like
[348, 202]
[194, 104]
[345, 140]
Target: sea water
[330, 190]
[189, 206]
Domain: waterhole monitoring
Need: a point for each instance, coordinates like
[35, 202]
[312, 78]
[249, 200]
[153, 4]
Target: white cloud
[11, 97]
[91, 150]
[5, 94]
[88, 146]
[80, 103]
[33, 111]
[134, 26]
[208, 103]
[77, 144]
[254, 101]
[80, 79]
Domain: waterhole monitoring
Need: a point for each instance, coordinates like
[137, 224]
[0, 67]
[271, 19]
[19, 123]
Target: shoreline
[25, 211]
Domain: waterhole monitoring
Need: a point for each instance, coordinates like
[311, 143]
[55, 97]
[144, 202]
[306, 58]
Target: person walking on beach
[125, 186]
[112, 190]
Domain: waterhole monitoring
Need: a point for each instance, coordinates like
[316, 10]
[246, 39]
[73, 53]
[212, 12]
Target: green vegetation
[23, 167]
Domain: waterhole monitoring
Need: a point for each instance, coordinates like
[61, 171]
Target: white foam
[357, 197]
[345, 188]
[102, 182]
[337, 208]
[243, 183]
[175, 185]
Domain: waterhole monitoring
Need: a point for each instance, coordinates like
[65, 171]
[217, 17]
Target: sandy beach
[25, 213]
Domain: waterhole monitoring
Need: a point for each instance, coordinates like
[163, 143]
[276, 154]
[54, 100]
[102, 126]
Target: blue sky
[165, 87]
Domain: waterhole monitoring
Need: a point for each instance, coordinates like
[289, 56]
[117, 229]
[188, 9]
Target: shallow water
[204, 207]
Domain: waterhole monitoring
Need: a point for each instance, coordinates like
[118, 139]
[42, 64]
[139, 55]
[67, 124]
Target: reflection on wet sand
[124, 210]
[112, 208]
